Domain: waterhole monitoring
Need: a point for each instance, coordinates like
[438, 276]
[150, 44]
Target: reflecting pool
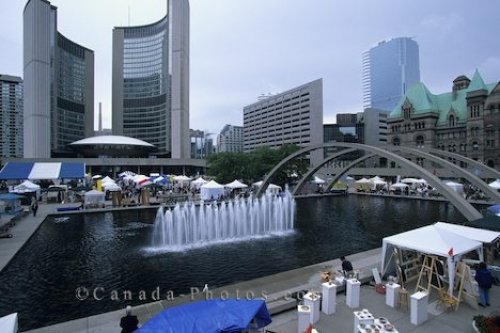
[108, 253]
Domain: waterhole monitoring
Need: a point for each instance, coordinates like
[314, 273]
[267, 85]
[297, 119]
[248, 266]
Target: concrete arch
[492, 193]
[312, 171]
[458, 201]
[461, 158]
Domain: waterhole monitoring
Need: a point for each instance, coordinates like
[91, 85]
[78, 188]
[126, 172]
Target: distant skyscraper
[230, 139]
[58, 85]
[292, 117]
[11, 116]
[151, 82]
[389, 70]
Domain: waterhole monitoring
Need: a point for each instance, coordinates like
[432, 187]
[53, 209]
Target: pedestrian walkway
[274, 287]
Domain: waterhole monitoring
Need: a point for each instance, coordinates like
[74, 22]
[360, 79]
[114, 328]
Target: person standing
[129, 323]
[484, 280]
[34, 205]
[346, 266]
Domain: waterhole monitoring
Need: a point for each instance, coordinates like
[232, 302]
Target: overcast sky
[243, 48]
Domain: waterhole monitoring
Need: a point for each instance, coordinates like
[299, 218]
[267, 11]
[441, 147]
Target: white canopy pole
[451, 274]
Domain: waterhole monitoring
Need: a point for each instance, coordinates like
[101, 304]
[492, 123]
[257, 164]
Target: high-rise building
[11, 116]
[375, 126]
[150, 84]
[58, 85]
[292, 117]
[389, 70]
[202, 146]
[230, 139]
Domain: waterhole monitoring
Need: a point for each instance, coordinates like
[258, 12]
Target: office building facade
[389, 70]
[375, 126]
[150, 82]
[11, 116]
[464, 121]
[58, 85]
[230, 139]
[292, 117]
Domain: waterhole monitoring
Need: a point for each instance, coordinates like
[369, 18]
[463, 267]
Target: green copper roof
[477, 82]
[423, 101]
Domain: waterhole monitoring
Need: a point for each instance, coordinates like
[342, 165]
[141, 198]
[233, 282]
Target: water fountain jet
[191, 225]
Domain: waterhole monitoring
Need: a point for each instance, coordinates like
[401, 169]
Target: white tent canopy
[211, 190]
[107, 179]
[198, 182]
[495, 184]
[376, 179]
[236, 184]
[26, 186]
[318, 180]
[413, 181]
[480, 235]
[8, 324]
[435, 241]
[363, 181]
[94, 198]
[401, 186]
[457, 187]
[111, 186]
[270, 187]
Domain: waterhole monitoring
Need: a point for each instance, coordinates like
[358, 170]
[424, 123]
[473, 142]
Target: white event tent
[198, 182]
[211, 190]
[433, 240]
[481, 235]
[26, 186]
[8, 324]
[495, 184]
[457, 187]
[236, 184]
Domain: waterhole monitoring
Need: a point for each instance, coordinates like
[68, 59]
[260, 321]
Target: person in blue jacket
[484, 280]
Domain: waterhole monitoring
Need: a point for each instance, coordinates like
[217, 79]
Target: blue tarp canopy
[212, 316]
[42, 170]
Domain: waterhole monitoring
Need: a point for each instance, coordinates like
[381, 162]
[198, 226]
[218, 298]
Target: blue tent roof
[42, 170]
[212, 316]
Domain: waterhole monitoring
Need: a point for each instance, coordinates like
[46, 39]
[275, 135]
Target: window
[475, 145]
[420, 141]
[451, 120]
[396, 141]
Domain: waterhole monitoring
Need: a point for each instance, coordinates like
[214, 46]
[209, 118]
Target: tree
[254, 166]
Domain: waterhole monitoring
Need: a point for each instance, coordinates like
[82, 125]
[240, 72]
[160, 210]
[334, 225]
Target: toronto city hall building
[58, 85]
[389, 70]
[150, 84]
[11, 116]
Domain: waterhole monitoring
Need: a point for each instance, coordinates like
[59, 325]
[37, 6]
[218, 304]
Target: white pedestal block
[304, 318]
[418, 307]
[391, 294]
[329, 301]
[313, 300]
[362, 317]
[352, 297]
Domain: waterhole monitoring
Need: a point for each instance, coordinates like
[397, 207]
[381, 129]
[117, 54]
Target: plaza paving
[275, 286]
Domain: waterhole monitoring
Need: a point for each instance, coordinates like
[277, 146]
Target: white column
[352, 298]
[329, 301]
[391, 294]
[418, 307]
[312, 300]
[303, 320]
